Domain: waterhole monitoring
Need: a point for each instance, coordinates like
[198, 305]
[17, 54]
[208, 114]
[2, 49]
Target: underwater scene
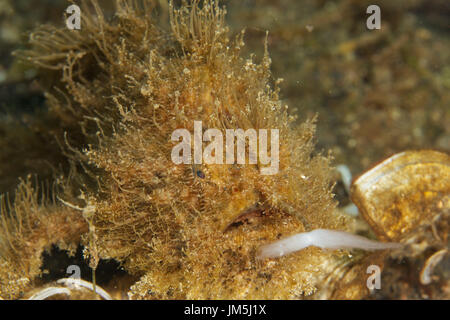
[224, 150]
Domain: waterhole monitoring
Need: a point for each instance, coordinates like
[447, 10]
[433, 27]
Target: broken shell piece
[76, 289]
[404, 192]
[49, 292]
[425, 275]
[79, 283]
[346, 176]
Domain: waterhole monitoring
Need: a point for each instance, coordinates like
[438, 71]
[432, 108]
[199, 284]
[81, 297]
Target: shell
[404, 192]
[426, 273]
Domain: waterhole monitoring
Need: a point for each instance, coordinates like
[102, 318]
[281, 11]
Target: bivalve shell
[404, 192]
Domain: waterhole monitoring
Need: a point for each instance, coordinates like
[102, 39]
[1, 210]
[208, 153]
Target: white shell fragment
[346, 176]
[48, 292]
[322, 238]
[77, 283]
[426, 274]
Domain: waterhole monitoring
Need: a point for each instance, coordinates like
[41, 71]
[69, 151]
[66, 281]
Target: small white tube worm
[322, 238]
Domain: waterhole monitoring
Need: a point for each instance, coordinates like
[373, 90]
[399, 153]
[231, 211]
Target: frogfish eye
[200, 174]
